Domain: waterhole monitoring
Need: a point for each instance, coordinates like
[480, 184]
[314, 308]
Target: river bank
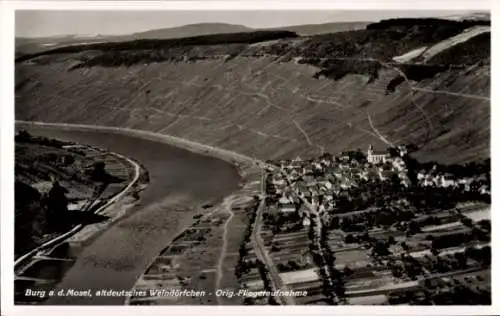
[180, 182]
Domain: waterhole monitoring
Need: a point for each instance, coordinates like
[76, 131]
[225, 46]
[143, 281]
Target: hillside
[38, 163]
[58, 185]
[273, 95]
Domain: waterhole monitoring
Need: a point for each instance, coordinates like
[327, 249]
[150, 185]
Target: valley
[307, 208]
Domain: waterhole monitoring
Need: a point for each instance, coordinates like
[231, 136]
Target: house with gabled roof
[376, 156]
[286, 205]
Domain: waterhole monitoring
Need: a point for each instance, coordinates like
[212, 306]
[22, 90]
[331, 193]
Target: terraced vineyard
[267, 100]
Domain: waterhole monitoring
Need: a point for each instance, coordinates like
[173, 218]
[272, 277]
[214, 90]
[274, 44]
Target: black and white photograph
[252, 157]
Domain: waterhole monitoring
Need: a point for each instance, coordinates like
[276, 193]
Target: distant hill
[224, 28]
[192, 30]
[476, 16]
[33, 45]
[325, 28]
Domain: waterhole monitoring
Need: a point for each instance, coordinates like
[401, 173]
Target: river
[115, 258]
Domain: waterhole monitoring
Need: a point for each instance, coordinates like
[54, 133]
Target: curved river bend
[118, 256]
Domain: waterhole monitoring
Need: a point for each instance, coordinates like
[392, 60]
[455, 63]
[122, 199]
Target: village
[374, 228]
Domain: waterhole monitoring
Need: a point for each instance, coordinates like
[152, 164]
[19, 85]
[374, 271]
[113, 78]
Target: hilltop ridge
[34, 45]
[190, 30]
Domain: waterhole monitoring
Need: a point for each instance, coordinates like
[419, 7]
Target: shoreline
[192, 146]
[240, 162]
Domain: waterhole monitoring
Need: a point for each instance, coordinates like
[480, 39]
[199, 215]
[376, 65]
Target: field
[479, 215]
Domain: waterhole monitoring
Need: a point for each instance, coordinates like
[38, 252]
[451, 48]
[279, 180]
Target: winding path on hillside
[382, 138]
[457, 94]
[178, 178]
[309, 97]
[298, 122]
[412, 89]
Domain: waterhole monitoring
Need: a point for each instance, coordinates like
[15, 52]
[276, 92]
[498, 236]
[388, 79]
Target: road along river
[179, 179]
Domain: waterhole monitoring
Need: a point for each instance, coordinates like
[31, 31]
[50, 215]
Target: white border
[475, 5]
[7, 153]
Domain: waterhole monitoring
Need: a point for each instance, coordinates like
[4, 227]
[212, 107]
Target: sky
[43, 23]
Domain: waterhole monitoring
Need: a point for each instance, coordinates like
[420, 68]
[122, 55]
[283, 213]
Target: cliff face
[276, 98]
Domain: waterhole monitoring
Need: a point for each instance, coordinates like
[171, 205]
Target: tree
[23, 136]
[483, 255]
[404, 246]
[68, 160]
[485, 224]
[98, 172]
[293, 264]
[381, 249]
[349, 239]
[348, 271]
[461, 259]
[281, 267]
[391, 240]
[137, 197]
[57, 206]
[30, 217]
[356, 155]
[480, 234]
[393, 152]
[467, 221]
[334, 223]
[395, 182]
[275, 248]
[411, 148]
[413, 227]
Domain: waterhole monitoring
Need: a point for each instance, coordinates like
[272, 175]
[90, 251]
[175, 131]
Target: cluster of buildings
[433, 178]
[321, 180]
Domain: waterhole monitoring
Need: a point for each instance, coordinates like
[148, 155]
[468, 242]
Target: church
[376, 157]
